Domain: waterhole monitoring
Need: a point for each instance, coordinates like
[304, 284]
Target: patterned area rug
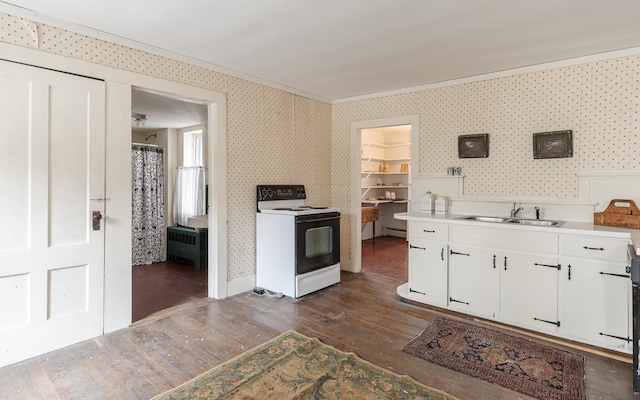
[533, 369]
[293, 366]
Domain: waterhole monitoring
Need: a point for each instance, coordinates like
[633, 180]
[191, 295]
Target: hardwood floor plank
[361, 314]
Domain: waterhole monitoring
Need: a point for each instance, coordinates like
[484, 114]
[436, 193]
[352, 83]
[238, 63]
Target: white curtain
[147, 178]
[189, 199]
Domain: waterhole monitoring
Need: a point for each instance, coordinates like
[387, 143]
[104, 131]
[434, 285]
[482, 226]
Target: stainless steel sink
[521, 221]
[486, 219]
[536, 222]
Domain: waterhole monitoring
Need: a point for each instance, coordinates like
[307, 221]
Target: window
[192, 148]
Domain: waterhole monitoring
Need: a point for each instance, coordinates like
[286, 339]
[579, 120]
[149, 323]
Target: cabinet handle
[505, 263]
[593, 248]
[556, 323]
[452, 300]
[569, 274]
[616, 337]
[494, 261]
[426, 231]
[548, 265]
[451, 252]
[416, 247]
[618, 275]
[442, 254]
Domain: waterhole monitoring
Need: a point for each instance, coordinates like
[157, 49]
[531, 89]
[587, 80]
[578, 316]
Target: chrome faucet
[515, 211]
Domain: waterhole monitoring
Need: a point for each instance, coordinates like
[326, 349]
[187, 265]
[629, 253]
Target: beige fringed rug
[293, 366]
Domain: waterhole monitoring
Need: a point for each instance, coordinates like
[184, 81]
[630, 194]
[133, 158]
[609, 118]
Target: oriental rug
[293, 366]
[522, 365]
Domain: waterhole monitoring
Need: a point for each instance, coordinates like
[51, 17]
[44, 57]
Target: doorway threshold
[168, 312]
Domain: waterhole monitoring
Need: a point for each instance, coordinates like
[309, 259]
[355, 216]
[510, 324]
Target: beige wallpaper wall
[599, 102]
[278, 137]
[274, 137]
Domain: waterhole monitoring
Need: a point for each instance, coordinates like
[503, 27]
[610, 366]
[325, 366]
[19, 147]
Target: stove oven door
[317, 241]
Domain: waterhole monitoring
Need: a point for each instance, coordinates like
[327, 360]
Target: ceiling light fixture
[139, 119]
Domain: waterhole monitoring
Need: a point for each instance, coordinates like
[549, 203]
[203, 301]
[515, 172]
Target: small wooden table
[370, 214]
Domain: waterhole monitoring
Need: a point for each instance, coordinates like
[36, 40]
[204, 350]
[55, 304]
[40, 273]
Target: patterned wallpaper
[278, 137]
[598, 101]
[274, 137]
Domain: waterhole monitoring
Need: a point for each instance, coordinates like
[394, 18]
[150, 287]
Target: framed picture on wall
[473, 146]
[557, 144]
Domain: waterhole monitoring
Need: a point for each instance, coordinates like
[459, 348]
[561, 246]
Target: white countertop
[569, 227]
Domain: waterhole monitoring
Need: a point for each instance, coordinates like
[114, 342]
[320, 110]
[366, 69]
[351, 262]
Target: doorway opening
[385, 169]
[384, 153]
[168, 136]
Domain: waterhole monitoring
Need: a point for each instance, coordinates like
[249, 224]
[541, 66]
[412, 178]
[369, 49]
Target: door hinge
[616, 275]
[548, 265]
[451, 252]
[415, 291]
[452, 300]
[556, 323]
[416, 247]
[626, 339]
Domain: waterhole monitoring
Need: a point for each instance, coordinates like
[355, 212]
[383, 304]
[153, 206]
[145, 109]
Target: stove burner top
[289, 208]
[314, 207]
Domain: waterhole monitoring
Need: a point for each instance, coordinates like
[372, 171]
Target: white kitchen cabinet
[529, 290]
[473, 281]
[556, 281]
[596, 292]
[510, 275]
[428, 272]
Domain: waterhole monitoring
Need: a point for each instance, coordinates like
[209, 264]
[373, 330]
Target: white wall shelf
[388, 189]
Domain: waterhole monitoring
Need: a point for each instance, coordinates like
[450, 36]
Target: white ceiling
[163, 111]
[337, 49]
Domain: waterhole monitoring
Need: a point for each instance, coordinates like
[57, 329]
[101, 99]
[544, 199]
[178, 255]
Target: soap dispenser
[427, 204]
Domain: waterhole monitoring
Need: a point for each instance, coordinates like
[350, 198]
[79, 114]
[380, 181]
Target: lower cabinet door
[595, 303]
[529, 291]
[473, 281]
[428, 272]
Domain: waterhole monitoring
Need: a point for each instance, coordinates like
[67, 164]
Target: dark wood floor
[387, 255]
[158, 286]
[361, 314]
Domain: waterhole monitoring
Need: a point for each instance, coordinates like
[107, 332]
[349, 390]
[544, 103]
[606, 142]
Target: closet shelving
[377, 180]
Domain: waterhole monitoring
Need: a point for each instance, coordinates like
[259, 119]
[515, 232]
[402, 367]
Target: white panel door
[51, 166]
[474, 281]
[428, 272]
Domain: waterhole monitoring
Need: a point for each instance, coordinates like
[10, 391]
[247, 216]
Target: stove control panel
[281, 192]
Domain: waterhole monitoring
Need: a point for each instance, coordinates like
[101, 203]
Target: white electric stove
[297, 245]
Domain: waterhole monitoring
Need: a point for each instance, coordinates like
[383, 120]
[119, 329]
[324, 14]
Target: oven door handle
[316, 220]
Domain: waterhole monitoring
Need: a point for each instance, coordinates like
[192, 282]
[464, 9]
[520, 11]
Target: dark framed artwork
[473, 146]
[557, 144]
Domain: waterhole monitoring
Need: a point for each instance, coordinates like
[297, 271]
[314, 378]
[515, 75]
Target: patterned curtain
[147, 178]
[190, 194]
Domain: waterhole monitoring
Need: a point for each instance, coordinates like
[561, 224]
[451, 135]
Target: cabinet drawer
[598, 248]
[428, 231]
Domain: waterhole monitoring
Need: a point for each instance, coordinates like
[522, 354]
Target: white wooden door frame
[356, 128]
[117, 308]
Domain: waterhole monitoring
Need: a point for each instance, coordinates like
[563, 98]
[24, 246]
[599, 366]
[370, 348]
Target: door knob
[97, 216]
